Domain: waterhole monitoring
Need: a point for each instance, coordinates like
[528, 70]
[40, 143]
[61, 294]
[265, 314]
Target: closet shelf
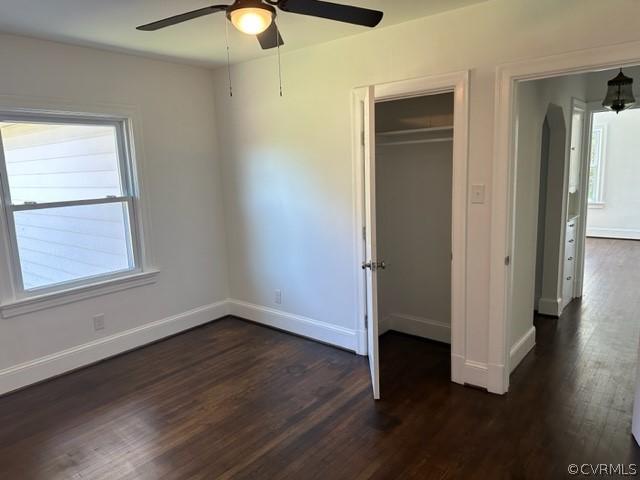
[415, 130]
[415, 142]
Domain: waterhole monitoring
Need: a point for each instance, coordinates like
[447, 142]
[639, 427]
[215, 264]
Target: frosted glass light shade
[250, 20]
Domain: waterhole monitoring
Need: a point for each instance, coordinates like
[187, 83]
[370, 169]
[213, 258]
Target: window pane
[593, 164]
[55, 162]
[58, 245]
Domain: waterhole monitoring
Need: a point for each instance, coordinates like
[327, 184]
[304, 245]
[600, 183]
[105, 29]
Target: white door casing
[463, 370]
[503, 178]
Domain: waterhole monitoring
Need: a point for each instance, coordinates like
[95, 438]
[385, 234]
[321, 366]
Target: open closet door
[370, 266]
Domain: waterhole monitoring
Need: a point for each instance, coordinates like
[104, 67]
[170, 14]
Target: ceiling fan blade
[271, 37]
[333, 11]
[183, 17]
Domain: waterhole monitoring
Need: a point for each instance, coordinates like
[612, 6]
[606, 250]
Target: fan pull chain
[226, 36]
[279, 58]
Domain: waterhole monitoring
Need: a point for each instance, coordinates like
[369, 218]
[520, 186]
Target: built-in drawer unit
[569, 270]
[571, 231]
[569, 264]
[567, 290]
[570, 255]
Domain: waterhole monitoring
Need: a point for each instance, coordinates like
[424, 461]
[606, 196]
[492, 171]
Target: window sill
[76, 294]
[597, 205]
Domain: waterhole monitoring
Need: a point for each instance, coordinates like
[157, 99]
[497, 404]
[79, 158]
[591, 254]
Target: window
[596, 165]
[69, 201]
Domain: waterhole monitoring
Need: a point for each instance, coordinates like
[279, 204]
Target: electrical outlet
[278, 297]
[98, 322]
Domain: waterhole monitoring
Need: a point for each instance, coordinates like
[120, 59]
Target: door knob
[381, 265]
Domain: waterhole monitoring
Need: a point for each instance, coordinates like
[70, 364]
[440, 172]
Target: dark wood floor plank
[236, 400]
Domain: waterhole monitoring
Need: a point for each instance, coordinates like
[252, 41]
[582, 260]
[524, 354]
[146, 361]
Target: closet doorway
[414, 168]
[412, 175]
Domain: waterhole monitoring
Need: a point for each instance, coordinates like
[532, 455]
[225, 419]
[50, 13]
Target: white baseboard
[384, 325]
[521, 348]
[497, 381]
[550, 306]
[457, 369]
[621, 233]
[303, 326]
[34, 371]
[475, 373]
[418, 326]
[468, 371]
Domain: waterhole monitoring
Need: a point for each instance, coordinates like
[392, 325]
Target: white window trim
[78, 293]
[599, 201]
[12, 300]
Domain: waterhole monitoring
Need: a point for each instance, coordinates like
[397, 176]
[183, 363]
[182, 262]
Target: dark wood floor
[236, 400]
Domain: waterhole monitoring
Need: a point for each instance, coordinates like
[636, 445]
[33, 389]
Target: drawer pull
[571, 225]
[571, 241]
[569, 278]
[570, 258]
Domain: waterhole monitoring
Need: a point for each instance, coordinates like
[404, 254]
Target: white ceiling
[111, 24]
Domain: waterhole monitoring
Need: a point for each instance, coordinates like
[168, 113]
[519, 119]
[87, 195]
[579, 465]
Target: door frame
[503, 180]
[457, 83]
[585, 152]
[591, 108]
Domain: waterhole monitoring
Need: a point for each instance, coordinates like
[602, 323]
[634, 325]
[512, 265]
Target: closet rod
[415, 130]
[413, 142]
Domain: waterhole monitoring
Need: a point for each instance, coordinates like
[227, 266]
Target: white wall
[413, 203]
[531, 109]
[545, 160]
[287, 161]
[619, 216]
[180, 179]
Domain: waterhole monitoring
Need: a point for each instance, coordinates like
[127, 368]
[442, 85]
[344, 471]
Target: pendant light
[619, 93]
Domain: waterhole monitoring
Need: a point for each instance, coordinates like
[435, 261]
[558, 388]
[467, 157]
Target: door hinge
[507, 260]
[362, 138]
[370, 265]
[364, 233]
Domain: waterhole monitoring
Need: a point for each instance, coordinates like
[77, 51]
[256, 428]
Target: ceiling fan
[256, 17]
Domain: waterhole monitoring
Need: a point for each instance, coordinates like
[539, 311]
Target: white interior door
[371, 262]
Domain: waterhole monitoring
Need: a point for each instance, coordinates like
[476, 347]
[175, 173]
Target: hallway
[582, 371]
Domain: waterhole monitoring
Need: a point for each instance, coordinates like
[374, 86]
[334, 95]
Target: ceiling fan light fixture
[251, 17]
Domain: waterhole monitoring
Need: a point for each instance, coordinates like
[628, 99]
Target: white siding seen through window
[68, 201]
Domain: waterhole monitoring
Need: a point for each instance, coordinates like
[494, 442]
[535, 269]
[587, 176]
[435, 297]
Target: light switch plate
[477, 193]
